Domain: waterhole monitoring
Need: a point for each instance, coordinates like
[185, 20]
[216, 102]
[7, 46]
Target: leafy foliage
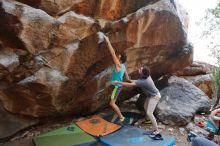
[212, 34]
[212, 31]
[215, 80]
[216, 10]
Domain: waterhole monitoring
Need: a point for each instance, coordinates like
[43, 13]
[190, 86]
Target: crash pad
[94, 144]
[130, 118]
[97, 126]
[98, 144]
[133, 136]
[70, 135]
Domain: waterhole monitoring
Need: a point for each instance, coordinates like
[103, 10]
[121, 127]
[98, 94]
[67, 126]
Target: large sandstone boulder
[145, 31]
[180, 101]
[60, 65]
[104, 9]
[198, 73]
[35, 31]
[203, 82]
[196, 68]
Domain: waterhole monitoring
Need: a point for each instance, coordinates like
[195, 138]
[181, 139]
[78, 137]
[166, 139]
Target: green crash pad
[65, 136]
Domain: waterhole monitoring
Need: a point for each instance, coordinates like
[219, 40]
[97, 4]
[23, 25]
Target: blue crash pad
[133, 136]
[92, 144]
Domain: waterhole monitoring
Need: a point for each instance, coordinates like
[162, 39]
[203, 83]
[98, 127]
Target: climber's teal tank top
[118, 76]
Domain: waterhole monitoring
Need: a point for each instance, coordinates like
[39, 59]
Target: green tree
[216, 85]
[212, 33]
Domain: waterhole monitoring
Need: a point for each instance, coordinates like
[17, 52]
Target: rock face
[105, 9]
[180, 101]
[199, 74]
[54, 65]
[203, 82]
[10, 124]
[196, 68]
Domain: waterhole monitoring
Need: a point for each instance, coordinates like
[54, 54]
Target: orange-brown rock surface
[199, 74]
[196, 68]
[203, 82]
[54, 65]
[106, 9]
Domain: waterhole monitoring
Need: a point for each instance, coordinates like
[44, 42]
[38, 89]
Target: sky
[196, 10]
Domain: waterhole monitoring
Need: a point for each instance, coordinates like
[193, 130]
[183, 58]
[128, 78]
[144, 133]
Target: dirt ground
[179, 133]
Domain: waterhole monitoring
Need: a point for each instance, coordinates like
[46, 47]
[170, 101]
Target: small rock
[24, 134]
[15, 138]
[182, 130]
[30, 134]
[190, 126]
[170, 129]
[137, 124]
